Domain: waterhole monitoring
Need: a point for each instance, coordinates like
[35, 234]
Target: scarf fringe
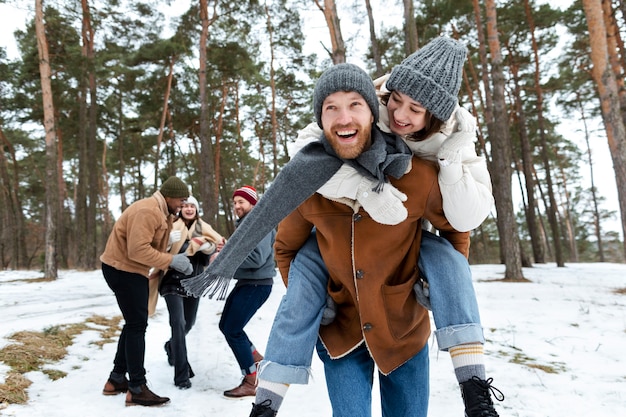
[206, 284]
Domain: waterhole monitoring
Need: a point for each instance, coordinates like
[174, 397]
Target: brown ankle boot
[247, 388]
[113, 388]
[144, 397]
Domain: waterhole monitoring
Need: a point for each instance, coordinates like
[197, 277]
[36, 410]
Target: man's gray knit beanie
[432, 76]
[344, 77]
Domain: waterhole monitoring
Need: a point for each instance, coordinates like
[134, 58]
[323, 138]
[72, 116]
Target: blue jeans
[241, 304]
[182, 311]
[403, 393]
[452, 295]
[294, 332]
[293, 336]
[131, 293]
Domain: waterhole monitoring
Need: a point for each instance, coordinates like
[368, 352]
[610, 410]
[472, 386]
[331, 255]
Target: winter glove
[175, 236]
[181, 263]
[422, 293]
[329, 311]
[465, 122]
[384, 207]
[463, 136]
[207, 247]
[452, 148]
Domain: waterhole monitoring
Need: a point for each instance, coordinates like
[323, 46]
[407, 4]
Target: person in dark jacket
[255, 277]
[196, 239]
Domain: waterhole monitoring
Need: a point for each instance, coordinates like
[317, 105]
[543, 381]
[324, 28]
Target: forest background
[105, 99]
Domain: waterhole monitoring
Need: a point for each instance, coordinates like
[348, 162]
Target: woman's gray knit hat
[432, 76]
[344, 77]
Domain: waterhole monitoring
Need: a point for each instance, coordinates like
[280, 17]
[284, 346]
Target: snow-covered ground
[567, 319]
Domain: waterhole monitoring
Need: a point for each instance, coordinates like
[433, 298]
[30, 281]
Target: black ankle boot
[262, 410]
[476, 395]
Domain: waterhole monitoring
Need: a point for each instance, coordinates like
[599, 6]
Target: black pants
[183, 311]
[131, 292]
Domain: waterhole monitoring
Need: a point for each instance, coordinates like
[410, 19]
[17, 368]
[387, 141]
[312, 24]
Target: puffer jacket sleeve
[464, 180]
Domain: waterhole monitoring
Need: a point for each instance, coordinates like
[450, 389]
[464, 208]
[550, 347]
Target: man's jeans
[403, 392]
[294, 332]
[131, 293]
[183, 312]
[242, 303]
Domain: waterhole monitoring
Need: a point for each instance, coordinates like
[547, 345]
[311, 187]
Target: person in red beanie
[255, 277]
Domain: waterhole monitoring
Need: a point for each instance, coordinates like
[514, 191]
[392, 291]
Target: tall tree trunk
[380, 71]
[166, 100]
[487, 103]
[52, 190]
[87, 194]
[567, 222]
[552, 208]
[208, 190]
[502, 154]
[606, 84]
[411, 42]
[12, 221]
[594, 196]
[219, 133]
[338, 52]
[273, 117]
[615, 49]
[527, 167]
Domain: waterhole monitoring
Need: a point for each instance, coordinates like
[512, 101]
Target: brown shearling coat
[372, 267]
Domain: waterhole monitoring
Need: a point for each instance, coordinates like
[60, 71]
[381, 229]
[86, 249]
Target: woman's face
[406, 116]
[188, 211]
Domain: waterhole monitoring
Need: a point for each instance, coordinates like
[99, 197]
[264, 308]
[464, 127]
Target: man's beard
[354, 149]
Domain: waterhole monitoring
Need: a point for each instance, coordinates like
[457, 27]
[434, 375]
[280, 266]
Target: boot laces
[262, 409]
[484, 405]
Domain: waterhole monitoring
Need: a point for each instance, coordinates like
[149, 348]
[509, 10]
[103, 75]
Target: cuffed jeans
[294, 332]
[182, 311]
[131, 293]
[452, 296]
[241, 304]
[403, 393]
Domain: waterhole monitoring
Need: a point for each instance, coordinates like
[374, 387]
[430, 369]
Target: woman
[196, 239]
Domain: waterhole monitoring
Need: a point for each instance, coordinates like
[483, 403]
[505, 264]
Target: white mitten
[451, 149]
[175, 236]
[384, 207]
[207, 248]
[465, 121]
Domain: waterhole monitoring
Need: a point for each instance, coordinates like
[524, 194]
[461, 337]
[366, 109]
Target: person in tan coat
[136, 247]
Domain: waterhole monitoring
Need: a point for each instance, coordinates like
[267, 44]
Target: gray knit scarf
[301, 177]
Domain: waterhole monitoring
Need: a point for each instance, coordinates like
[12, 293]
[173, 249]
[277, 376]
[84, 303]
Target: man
[255, 277]
[372, 267]
[135, 249]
